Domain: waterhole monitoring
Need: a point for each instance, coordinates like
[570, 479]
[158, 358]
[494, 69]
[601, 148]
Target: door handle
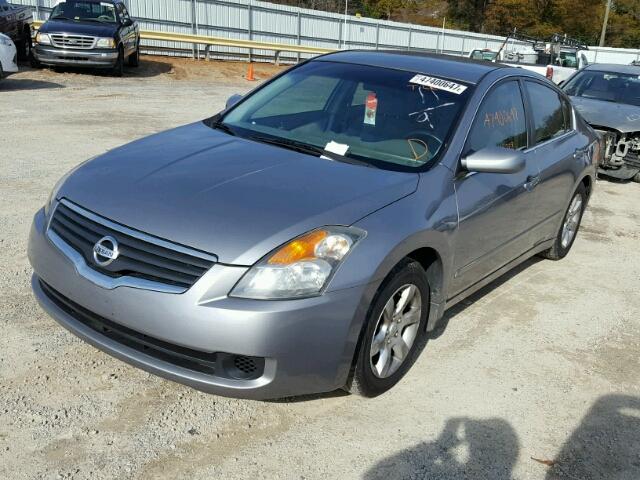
[579, 152]
[532, 182]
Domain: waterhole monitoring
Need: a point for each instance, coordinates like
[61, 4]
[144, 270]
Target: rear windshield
[606, 86]
[84, 11]
[378, 115]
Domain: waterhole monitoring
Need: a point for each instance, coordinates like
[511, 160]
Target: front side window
[547, 112]
[382, 116]
[80, 10]
[500, 121]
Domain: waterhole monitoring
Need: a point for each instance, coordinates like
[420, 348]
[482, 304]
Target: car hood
[225, 195]
[619, 116]
[81, 28]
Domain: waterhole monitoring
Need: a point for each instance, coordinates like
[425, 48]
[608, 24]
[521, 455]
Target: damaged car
[608, 98]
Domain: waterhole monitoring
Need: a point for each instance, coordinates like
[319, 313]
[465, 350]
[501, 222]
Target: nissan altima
[311, 235]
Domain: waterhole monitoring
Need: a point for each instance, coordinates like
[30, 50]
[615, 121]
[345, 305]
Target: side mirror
[232, 100]
[127, 22]
[494, 160]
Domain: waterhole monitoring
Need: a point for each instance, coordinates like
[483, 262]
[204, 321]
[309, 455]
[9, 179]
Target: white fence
[255, 20]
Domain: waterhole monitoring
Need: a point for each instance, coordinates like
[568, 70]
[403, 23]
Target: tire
[24, 45]
[33, 61]
[134, 58]
[571, 221]
[376, 372]
[118, 68]
[636, 178]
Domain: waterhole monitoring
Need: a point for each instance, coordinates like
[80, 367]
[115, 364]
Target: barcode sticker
[438, 83]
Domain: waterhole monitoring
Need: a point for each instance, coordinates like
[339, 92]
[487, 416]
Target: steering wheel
[106, 18]
[421, 143]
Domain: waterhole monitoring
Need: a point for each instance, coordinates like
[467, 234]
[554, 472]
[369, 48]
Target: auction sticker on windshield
[438, 83]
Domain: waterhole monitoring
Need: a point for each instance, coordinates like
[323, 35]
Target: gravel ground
[535, 377]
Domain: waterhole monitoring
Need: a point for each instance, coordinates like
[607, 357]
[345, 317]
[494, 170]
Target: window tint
[500, 121]
[309, 94]
[548, 115]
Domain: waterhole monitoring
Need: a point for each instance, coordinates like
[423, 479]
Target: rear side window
[567, 113]
[548, 113]
[500, 121]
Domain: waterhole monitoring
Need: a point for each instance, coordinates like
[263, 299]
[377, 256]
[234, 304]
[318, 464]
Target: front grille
[219, 363]
[632, 159]
[62, 40]
[138, 257]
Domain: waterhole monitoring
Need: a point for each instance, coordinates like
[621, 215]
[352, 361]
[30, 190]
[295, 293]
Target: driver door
[494, 224]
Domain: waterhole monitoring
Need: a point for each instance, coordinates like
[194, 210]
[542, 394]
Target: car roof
[614, 68]
[457, 68]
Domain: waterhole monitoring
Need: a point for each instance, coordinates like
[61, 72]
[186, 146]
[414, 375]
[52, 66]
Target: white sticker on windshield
[438, 83]
[335, 147]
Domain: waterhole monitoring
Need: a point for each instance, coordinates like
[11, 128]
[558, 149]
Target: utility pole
[604, 23]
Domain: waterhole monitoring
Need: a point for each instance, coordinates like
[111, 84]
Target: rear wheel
[570, 225]
[395, 332]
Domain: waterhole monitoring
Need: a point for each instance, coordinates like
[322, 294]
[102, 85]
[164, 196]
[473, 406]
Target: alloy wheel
[571, 222]
[395, 331]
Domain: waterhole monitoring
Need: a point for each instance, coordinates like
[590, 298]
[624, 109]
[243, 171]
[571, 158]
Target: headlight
[106, 43]
[300, 268]
[43, 39]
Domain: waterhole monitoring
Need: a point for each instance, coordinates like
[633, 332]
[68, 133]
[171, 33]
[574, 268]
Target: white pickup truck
[562, 64]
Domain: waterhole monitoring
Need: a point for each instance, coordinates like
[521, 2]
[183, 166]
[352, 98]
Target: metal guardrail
[208, 42]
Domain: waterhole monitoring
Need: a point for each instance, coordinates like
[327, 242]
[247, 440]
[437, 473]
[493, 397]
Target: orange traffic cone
[250, 76]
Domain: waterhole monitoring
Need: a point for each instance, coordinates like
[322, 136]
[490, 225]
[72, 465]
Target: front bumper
[307, 344]
[9, 61]
[97, 58]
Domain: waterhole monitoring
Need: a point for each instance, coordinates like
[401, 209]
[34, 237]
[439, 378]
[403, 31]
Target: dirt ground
[535, 377]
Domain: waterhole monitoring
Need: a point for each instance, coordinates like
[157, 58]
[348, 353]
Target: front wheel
[134, 58]
[570, 225]
[395, 332]
[24, 46]
[118, 68]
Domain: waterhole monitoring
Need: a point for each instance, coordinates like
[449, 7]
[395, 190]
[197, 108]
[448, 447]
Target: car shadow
[15, 84]
[606, 444]
[473, 449]
[148, 68]
[471, 299]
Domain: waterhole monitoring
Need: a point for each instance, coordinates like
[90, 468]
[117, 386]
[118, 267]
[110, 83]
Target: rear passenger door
[494, 209]
[555, 146]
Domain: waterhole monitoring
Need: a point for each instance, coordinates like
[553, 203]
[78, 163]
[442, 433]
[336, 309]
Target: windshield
[607, 86]
[380, 116]
[84, 11]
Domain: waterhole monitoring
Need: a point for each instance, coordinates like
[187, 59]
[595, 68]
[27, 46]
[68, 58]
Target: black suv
[88, 33]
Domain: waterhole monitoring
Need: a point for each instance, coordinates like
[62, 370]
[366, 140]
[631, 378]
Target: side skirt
[498, 273]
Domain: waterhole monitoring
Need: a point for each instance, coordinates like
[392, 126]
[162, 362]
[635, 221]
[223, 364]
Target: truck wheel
[24, 45]
[636, 178]
[118, 68]
[569, 228]
[134, 58]
[395, 330]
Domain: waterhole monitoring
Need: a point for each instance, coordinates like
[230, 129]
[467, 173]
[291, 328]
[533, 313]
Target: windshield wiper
[93, 20]
[308, 149]
[223, 127]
